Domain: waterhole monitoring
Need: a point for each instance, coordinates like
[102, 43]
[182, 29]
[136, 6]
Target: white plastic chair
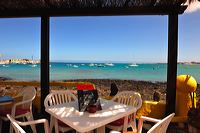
[160, 126]
[21, 109]
[16, 124]
[129, 98]
[56, 98]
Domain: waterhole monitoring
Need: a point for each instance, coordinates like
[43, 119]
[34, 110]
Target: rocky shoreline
[145, 88]
[4, 78]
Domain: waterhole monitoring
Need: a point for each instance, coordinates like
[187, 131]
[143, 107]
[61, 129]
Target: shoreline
[5, 79]
[145, 88]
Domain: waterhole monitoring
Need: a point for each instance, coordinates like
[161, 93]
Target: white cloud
[193, 7]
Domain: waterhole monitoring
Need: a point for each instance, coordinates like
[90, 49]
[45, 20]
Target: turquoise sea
[64, 71]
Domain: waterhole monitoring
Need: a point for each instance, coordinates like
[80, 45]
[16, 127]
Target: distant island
[190, 63]
[19, 61]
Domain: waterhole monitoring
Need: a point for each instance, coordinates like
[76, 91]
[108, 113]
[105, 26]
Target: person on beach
[113, 89]
[156, 96]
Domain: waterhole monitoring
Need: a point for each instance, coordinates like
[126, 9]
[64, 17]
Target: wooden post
[172, 63]
[44, 60]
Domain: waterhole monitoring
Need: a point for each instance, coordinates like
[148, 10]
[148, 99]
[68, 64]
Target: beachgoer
[156, 96]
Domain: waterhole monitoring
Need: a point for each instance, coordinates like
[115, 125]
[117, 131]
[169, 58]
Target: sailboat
[133, 64]
[33, 63]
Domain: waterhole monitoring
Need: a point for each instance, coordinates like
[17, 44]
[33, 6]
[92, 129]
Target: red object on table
[85, 87]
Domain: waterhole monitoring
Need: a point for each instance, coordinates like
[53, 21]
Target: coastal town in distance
[31, 61]
[19, 61]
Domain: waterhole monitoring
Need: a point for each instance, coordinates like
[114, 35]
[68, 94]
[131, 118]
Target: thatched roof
[44, 6]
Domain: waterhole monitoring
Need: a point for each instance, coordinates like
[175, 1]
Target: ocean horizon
[96, 70]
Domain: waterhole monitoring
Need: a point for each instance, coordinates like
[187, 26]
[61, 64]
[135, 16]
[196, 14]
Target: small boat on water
[100, 65]
[133, 65]
[69, 65]
[109, 64]
[91, 64]
[33, 65]
[5, 65]
[75, 66]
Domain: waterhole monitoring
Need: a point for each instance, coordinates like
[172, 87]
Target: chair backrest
[129, 98]
[28, 93]
[161, 126]
[15, 125]
[59, 97]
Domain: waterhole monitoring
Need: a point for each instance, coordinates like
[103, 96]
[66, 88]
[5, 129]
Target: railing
[36, 102]
[37, 84]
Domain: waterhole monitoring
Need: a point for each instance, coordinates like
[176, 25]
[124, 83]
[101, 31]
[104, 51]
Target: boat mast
[1, 56]
[32, 59]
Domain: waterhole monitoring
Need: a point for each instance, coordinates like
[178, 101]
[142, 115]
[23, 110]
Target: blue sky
[115, 39]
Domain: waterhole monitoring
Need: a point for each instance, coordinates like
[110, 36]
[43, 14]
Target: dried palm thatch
[37, 8]
[73, 4]
[190, 1]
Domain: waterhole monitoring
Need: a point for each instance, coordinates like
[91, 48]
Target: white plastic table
[84, 121]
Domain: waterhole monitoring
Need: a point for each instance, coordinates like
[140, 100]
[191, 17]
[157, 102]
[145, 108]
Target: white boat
[109, 64]
[91, 64]
[33, 65]
[69, 65]
[5, 65]
[75, 66]
[133, 65]
[100, 65]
